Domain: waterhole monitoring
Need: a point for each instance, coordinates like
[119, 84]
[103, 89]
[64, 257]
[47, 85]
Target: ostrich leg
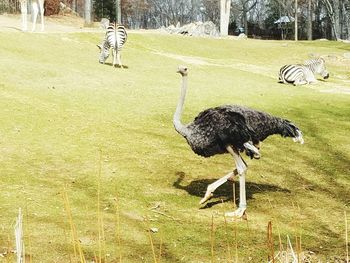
[240, 168]
[212, 187]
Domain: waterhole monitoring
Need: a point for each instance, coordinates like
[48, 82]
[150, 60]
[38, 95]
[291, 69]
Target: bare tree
[118, 11]
[309, 20]
[296, 20]
[88, 12]
[332, 8]
[225, 6]
[346, 12]
[245, 6]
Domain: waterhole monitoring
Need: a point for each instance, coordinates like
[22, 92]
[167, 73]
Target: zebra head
[104, 53]
[318, 66]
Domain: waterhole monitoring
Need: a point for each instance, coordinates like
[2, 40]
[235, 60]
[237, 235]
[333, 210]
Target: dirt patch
[53, 24]
[257, 69]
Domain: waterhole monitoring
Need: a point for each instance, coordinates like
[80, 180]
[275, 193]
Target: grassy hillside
[102, 138]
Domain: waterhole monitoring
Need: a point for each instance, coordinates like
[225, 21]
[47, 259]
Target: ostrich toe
[206, 198]
[239, 213]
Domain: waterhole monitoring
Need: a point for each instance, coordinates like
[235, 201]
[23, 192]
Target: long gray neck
[179, 127]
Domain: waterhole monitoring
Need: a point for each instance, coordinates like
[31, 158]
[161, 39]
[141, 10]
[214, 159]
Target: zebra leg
[119, 60]
[311, 80]
[114, 52]
[34, 14]
[41, 8]
[24, 12]
[300, 82]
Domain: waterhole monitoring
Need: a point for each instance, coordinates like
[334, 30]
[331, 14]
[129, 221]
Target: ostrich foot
[239, 213]
[212, 187]
[206, 198]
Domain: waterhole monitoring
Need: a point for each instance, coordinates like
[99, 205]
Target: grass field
[102, 139]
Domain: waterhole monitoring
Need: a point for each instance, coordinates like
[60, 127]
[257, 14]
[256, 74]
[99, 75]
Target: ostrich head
[183, 70]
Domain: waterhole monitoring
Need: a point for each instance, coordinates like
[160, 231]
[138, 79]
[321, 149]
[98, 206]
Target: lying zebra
[298, 74]
[115, 38]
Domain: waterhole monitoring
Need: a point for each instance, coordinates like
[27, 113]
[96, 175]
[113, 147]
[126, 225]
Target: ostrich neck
[179, 127]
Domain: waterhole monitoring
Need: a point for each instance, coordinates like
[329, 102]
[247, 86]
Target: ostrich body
[230, 129]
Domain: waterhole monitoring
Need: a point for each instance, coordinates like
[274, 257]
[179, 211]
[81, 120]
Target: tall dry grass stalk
[148, 228]
[278, 229]
[74, 237]
[19, 238]
[8, 252]
[295, 259]
[234, 194]
[299, 233]
[28, 235]
[346, 238]
[270, 243]
[118, 235]
[236, 241]
[101, 234]
[229, 256]
[212, 237]
[160, 249]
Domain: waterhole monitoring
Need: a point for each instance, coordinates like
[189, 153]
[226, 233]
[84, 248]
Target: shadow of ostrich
[224, 193]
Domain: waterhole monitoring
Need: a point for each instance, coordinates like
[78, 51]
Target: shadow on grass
[15, 28]
[225, 191]
[111, 64]
[322, 156]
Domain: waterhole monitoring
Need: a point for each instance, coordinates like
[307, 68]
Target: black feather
[216, 128]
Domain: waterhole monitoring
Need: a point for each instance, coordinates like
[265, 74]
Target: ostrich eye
[185, 69]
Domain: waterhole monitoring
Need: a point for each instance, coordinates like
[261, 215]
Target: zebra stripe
[298, 74]
[115, 38]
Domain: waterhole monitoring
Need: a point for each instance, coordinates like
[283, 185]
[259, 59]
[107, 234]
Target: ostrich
[230, 129]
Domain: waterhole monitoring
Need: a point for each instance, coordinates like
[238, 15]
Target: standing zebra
[115, 38]
[298, 74]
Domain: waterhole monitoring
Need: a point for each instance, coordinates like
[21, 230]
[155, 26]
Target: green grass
[60, 108]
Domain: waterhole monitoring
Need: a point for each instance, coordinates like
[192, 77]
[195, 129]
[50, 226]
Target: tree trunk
[245, 19]
[309, 31]
[88, 12]
[337, 30]
[118, 12]
[296, 21]
[346, 11]
[224, 16]
[334, 16]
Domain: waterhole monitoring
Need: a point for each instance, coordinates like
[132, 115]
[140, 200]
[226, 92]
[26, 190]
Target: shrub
[52, 7]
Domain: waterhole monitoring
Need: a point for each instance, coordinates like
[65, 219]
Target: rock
[104, 23]
[194, 29]
[154, 230]
[346, 55]
[242, 36]
[64, 9]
